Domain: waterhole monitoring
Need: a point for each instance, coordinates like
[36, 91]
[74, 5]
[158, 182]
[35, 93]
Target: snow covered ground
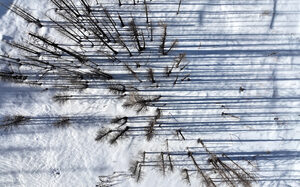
[243, 100]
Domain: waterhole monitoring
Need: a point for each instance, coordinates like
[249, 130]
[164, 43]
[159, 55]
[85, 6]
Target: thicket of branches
[9, 122]
[212, 169]
[99, 48]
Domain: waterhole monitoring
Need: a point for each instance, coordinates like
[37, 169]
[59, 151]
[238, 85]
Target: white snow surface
[229, 44]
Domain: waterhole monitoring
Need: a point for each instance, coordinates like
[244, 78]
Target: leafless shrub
[178, 7]
[119, 135]
[120, 4]
[102, 133]
[174, 43]
[229, 115]
[246, 177]
[186, 176]
[228, 173]
[151, 31]
[158, 114]
[121, 41]
[136, 170]
[121, 20]
[139, 103]
[208, 181]
[9, 122]
[78, 83]
[241, 89]
[164, 39]
[120, 120]
[170, 162]
[179, 59]
[179, 133]
[150, 130]
[175, 81]
[146, 11]
[187, 77]
[184, 66]
[151, 75]
[134, 167]
[62, 123]
[133, 73]
[12, 77]
[98, 74]
[61, 99]
[168, 70]
[117, 89]
[137, 36]
[82, 59]
[163, 162]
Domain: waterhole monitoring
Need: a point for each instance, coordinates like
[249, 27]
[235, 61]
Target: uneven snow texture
[230, 44]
